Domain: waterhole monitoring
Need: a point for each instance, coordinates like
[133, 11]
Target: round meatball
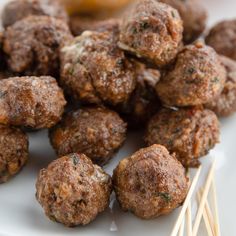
[150, 183]
[96, 132]
[95, 70]
[79, 24]
[222, 38]
[34, 102]
[32, 45]
[72, 190]
[197, 77]
[143, 102]
[13, 151]
[18, 9]
[194, 17]
[152, 31]
[190, 133]
[225, 104]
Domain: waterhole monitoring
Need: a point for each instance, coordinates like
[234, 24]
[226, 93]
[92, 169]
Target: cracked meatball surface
[34, 102]
[32, 45]
[95, 70]
[222, 38]
[152, 31]
[72, 190]
[197, 77]
[194, 17]
[143, 102]
[18, 9]
[96, 132]
[151, 182]
[13, 151]
[190, 133]
[225, 104]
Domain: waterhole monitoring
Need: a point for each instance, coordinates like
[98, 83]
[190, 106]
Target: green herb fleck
[144, 25]
[75, 159]
[120, 62]
[215, 80]
[71, 71]
[191, 70]
[173, 13]
[165, 196]
[134, 30]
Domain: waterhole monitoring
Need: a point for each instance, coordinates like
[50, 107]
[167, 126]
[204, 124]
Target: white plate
[21, 215]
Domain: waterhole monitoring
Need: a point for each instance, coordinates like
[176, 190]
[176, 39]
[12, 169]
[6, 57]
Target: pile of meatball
[148, 68]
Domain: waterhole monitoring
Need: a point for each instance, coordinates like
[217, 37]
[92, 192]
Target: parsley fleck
[191, 70]
[144, 25]
[75, 159]
[165, 196]
[71, 71]
[215, 80]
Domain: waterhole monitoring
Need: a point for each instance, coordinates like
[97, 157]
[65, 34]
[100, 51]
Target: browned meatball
[95, 70]
[32, 45]
[194, 17]
[190, 133]
[18, 9]
[34, 102]
[143, 102]
[2, 59]
[222, 37]
[225, 104]
[79, 24]
[197, 77]
[72, 190]
[13, 151]
[96, 132]
[152, 31]
[150, 183]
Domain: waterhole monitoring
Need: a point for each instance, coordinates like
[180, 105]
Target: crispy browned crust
[197, 77]
[32, 45]
[13, 151]
[96, 132]
[34, 102]
[72, 190]
[95, 70]
[190, 133]
[150, 183]
[194, 17]
[152, 31]
[18, 9]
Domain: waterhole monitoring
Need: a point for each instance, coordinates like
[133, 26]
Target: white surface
[21, 215]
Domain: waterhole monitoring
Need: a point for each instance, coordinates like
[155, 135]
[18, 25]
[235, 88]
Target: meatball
[13, 151]
[194, 17]
[222, 38]
[150, 183]
[34, 102]
[72, 190]
[95, 70]
[225, 104]
[143, 102]
[190, 133]
[79, 24]
[197, 77]
[40, 39]
[152, 31]
[97, 132]
[18, 9]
